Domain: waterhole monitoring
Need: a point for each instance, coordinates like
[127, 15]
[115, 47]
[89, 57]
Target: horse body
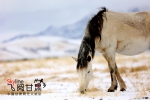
[126, 33]
[110, 32]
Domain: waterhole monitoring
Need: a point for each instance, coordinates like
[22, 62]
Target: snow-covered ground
[38, 47]
[61, 78]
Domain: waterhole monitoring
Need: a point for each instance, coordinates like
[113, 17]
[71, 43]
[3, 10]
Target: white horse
[109, 32]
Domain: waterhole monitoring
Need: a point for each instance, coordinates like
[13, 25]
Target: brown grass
[124, 69]
[93, 89]
[11, 68]
[141, 87]
[4, 90]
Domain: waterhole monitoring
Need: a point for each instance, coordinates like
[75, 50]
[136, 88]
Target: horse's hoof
[109, 90]
[116, 87]
[122, 89]
[82, 92]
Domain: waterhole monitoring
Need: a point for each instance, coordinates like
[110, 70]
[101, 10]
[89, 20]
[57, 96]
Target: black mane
[94, 28]
[95, 25]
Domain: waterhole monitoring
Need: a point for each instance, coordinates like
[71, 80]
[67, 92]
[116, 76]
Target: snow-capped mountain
[72, 31]
[53, 42]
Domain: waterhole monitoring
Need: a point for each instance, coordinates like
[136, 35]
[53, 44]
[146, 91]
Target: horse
[111, 32]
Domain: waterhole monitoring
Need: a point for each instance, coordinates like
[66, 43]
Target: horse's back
[129, 33]
[135, 20]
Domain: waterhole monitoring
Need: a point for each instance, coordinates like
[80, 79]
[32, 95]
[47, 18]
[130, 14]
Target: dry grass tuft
[140, 83]
[124, 70]
[93, 89]
[5, 91]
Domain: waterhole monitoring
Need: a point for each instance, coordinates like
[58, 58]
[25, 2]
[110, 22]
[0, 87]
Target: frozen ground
[61, 79]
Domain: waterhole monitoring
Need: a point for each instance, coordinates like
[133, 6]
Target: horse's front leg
[110, 57]
[120, 80]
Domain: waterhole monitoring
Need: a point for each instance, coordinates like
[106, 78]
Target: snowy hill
[53, 42]
[38, 47]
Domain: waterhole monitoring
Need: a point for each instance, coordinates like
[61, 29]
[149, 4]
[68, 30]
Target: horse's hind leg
[120, 80]
[112, 66]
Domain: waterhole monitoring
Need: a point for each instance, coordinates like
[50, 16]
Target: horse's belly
[133, 48]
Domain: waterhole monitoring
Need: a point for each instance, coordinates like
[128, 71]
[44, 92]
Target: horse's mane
[95, 25]
[94, 28]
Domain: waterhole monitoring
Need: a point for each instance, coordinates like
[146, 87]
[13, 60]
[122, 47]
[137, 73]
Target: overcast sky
[37, 15]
